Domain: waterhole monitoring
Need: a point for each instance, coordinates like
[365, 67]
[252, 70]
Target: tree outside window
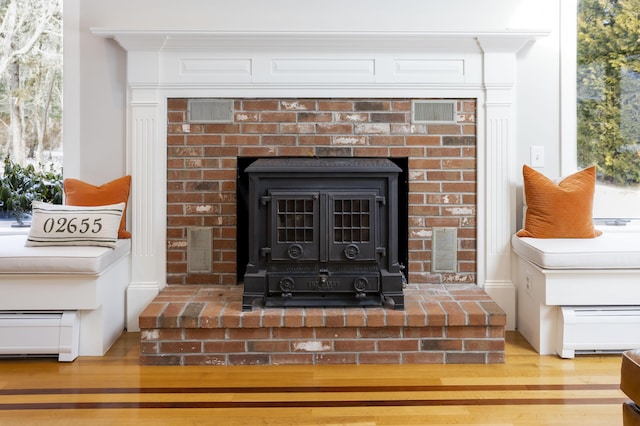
[30, 104]
[31, 80]
[608, 89]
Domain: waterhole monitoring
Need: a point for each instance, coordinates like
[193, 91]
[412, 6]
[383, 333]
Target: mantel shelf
[445, 41]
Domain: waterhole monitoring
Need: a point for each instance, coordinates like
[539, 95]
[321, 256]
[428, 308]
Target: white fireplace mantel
[168, 63]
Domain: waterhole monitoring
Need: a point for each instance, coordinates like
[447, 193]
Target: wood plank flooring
[115, 390]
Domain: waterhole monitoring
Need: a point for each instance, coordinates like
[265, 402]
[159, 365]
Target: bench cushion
[15, 258]
[611, 250]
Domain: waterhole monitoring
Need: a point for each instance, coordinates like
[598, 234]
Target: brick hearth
[442, 324]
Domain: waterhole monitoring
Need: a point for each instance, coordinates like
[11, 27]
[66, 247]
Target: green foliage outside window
[20, 186]
[608, 84]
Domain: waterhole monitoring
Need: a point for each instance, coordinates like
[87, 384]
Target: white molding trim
[189, 63]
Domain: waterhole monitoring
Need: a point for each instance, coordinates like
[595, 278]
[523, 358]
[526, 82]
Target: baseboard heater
[597, 329]
[40, 333]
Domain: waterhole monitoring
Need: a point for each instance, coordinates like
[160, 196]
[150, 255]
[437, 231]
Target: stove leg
[396, 300]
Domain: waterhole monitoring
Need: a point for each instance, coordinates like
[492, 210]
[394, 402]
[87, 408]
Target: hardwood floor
[527, 390]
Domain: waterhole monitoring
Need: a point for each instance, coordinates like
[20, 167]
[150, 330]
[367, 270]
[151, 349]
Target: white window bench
[67, 300]
[579, 295]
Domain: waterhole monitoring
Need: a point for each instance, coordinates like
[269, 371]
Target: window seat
[65, 300]
[579, 295]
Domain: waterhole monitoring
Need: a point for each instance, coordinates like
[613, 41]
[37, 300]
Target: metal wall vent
[434, 111]
[444, 253]
[210, 111]
[199, 250]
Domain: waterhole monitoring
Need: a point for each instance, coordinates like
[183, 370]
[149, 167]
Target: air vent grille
[444, 250]
[434, 111]
[210, 111]
[199, 250]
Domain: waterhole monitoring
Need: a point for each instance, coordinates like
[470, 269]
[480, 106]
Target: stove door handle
[351, 251]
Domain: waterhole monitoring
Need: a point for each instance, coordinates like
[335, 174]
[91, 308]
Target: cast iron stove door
[352, 221]
[294, 228]
[322, 248]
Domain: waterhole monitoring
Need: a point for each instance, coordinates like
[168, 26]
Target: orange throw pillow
[79, 193]
[561, 210]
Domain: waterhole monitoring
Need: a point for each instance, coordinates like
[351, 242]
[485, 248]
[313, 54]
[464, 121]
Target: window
[608, 102]
[31, 80]
[30, 105]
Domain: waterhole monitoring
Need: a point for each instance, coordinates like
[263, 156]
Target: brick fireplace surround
[440, 324]
[199, 316]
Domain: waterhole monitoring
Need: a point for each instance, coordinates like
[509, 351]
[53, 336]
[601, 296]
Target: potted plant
[21, 185]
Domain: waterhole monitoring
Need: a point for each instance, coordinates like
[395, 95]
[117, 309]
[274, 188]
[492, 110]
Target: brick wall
[202, 171]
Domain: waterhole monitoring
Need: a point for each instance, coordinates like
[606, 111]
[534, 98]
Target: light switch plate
[537, 156]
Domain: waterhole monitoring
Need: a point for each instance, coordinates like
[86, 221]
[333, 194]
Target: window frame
[568, 103]
[568, 87]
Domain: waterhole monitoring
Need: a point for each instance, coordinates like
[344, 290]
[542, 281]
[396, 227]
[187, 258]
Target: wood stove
[323, 232]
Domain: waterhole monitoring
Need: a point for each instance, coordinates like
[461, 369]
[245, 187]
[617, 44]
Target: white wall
[95, 67]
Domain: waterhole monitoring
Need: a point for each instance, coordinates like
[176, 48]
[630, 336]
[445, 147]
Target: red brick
[422, 140]
[207, 359]
[260, 104]
[465, 358]
[496, 358]
[355, 317]
[336, 333]
[334, 317]
[149, 317]
[380, 333]
[278, 117]
[423, 358]
[441, 345]
[249, 359]
[485, 345]
[244, 140]
[312, 345]
[314, 140]
[272, 317]
[467, 332]
[292, 359]
[180, 347]
[418, 332]
[416, 315]
[360, 345]
[379, 358]
[248, 333]
[306, 117]
[171, 334]
[149, 348]
[294, 317]
[203, 334]
[476, 315]
[252, 319]
[279, 140]
[295, 151]
[375, 317]
[160, 360]
[169, 317]
[268, 346]
[395, 318]
[348, 358]
[403, 345]
[335, 105]
[293, 333]
[224, 347]
[444, 129]
[221, 128]
[314, 317]
[373, 105]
